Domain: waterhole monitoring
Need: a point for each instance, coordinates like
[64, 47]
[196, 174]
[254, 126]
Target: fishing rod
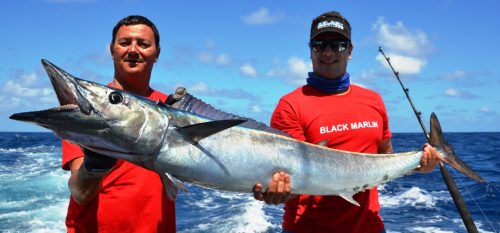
[448, 179]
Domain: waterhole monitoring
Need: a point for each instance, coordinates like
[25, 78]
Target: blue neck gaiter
[329, 85]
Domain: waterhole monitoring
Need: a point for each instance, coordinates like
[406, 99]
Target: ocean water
[34, 194]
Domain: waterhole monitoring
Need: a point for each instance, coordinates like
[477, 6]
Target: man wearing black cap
[350, 117]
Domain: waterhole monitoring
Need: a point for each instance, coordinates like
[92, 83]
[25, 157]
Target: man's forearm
[83, 188]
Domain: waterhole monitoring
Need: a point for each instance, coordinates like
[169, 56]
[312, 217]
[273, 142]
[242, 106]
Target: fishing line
[448, 179]
[474, 200]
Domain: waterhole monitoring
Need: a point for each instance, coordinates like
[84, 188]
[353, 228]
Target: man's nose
[328, 49]
[133, 52]
[133, 46]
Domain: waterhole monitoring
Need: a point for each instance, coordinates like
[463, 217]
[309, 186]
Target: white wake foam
[411, 197]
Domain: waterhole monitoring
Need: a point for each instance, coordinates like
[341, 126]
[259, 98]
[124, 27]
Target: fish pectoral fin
[215, 159]
[172, 185]
[348, 197]
[196, 132]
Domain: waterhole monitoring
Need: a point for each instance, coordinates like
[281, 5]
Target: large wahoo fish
[194, 142]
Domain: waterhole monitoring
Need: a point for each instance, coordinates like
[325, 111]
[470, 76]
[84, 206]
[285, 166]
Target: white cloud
[220, 59]
[29, 79]
[11, 102]
[261, 16]
[458, 74]
[295, 72]
[403, 64]
[276, 72]
[248, 70]
[25, 87]
[485, 109]
[299, 67]
[467, 79]
[25, 91]
[200, 87]
[464, 94]
[364, 78]
[18, 89]
[255, 108]
[223, 59]
[452, 92]
[406, 48]
[398, 38]
[208, 56]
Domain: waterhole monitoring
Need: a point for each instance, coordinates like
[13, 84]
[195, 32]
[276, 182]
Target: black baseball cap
[331, 21]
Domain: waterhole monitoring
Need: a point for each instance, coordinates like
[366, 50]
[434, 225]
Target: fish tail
[437, 139]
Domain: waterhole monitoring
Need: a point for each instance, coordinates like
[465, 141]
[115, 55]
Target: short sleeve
[284, 118]
[70, 152]
[386, 133]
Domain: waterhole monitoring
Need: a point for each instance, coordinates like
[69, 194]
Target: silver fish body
[252, 156]
[216, 150]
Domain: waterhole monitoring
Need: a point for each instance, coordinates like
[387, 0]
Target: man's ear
[350, 52]
[111, 50]
[158, 54]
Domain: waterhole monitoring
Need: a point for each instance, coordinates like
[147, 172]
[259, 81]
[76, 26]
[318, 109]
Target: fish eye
[115, 97]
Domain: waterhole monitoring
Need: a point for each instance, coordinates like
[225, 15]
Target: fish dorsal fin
[323, 143]
[189, 103]
[172, 185]
[194, 133]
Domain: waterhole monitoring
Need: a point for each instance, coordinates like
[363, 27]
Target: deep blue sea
[34, 194]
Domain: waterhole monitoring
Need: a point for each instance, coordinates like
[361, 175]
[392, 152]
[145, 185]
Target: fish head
[109, 121]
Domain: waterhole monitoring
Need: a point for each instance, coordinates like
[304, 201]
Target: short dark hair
[134, 20]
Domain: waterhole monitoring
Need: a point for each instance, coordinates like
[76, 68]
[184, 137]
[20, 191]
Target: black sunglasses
[335, 45]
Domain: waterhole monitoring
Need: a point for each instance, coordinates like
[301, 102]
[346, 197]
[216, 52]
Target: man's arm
[385, 147]
[87, 173]
[82, 187]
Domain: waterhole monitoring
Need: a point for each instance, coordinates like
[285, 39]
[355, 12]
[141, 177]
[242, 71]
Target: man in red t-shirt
[109, 195]
[350, 117]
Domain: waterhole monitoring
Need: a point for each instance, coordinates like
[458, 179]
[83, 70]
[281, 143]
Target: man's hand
[96, 164]
[430, 158]
[278, 190]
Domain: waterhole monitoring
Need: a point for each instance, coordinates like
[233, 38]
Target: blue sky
[242, 56]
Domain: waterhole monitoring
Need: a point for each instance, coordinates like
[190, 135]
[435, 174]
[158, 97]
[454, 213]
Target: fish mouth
[63, 118]
[32, 116]
[71, 100]
[66, 88]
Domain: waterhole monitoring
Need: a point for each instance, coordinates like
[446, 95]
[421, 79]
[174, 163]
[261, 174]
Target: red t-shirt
[132, 198]
[356, 121]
